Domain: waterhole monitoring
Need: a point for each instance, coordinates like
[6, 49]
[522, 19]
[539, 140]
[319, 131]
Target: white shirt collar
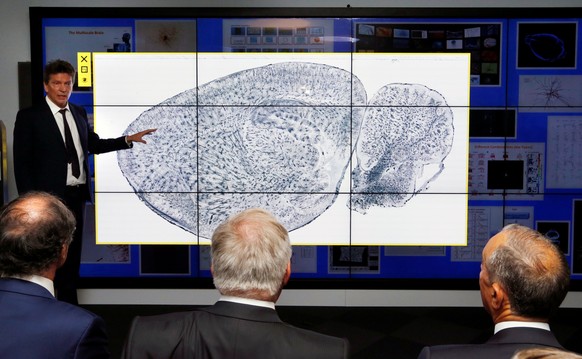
[37, 279]
[255, 302]
[54, 108]
[516, 324]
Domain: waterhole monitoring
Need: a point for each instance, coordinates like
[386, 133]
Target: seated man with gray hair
[524, 278]
[251, 262]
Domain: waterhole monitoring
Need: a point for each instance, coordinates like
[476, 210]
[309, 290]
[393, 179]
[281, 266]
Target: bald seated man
[524, 278]
[251, 262]
[36, 230]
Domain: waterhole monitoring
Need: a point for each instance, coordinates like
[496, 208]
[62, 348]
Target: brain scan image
[279, 139]
[329, 149]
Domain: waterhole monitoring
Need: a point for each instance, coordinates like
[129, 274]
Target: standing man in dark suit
[35, 232]
[251, 262]
[52, 142]
[524, 278]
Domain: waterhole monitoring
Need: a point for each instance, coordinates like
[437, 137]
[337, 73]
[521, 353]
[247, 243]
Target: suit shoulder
[445, 351]
[30, 117]
[29, 112]
[74, 320]
[323, 341]
[169, 322]
[166, 317]
[311, 333]
[73, 310]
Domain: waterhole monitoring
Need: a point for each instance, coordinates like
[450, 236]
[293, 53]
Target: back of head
[250, 254]
[545, 353]
[532, 270]
[58, 67]
[33, 230]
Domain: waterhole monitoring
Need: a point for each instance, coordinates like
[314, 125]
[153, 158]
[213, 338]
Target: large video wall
[391, 147]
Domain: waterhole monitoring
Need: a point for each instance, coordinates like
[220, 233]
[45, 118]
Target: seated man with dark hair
[35, 232]
[251, 262]
[524, 278]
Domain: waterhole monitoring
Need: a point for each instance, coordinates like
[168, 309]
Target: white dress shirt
[517, 324]
[255, 302]
[71, 180]
[42, 281]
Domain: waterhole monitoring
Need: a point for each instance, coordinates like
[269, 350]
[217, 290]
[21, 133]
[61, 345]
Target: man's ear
[63, 255]
[498, 296]
[287, 273]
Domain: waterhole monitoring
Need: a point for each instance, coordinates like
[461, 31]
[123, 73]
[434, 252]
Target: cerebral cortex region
[281, 137]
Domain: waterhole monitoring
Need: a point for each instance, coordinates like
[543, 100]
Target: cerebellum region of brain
[280, 137]
[407, 129]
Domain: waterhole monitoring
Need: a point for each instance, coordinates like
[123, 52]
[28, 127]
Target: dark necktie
[72, 157]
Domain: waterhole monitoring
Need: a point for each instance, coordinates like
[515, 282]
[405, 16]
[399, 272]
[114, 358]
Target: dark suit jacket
[227, 330]
[40, 159]
[502, 345]
[33, 324]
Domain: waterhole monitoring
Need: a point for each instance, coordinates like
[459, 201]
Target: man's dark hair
[58, 67]
[532, 270]
[33, 229]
